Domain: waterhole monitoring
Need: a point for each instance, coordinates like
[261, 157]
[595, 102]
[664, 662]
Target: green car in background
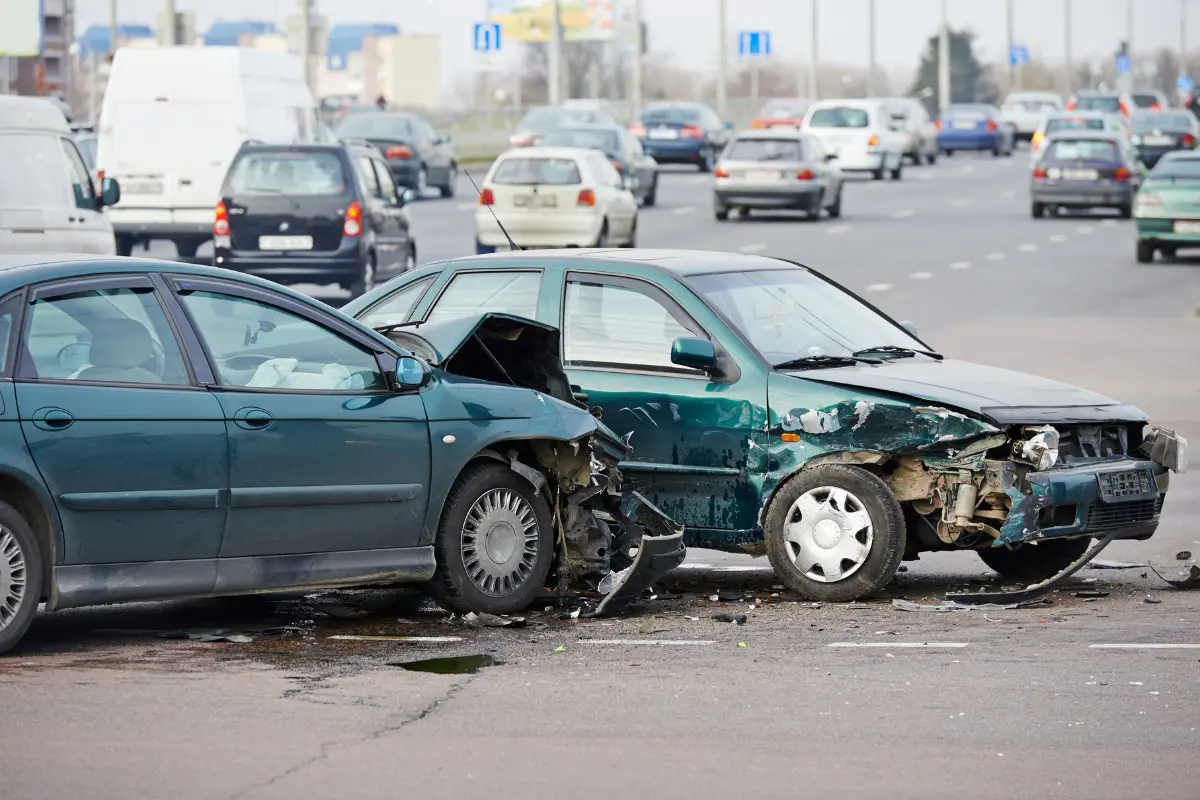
[1167, 209]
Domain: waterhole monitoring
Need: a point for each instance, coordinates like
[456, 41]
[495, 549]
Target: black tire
[1038, 210]
[997, 152]
[877, 175]
[721, 214]
[602, 237]
[186, 248]
[366, 280]
[652, 195]
[887, 520]
[1126, 211]
[1034, 562]
[931, 159]
[1145, 252]
[835, 210]
[632, 235]
[814, 211]
[1169, 252]
[705, 163]
[451, 182]
[948, 153]
[452, 586]
[14, 530]
[898, 171]
[124, 245]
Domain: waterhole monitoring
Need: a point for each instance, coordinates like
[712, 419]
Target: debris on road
[1090, 593]
[951, 605]
[1188, 579]
[1183, 555]
[485, 620]
[731, 616]
[451, 665]
[1148, 600]
[1100, 563]
[383, 638]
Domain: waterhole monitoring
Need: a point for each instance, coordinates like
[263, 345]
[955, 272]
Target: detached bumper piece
[660, 551]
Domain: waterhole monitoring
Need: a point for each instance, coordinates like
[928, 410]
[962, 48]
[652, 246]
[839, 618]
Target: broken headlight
[1040, 448]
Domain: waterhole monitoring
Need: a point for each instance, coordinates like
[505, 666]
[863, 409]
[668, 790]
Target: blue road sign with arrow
[1018, 55]
[754, 43]
[487, 37]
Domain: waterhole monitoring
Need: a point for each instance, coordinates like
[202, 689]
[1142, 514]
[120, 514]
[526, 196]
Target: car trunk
[264, 222]
[393, 149]
[966, 122]
[542, 199]
[1083, 170]
[671, 131]
[1179, 197]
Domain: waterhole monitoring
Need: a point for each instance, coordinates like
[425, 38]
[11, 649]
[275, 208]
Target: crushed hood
[1003, 396]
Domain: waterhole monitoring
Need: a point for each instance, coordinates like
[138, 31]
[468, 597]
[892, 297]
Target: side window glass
[370, 182]
[470, 293]
[613, 326]
[428, 130]
[81, 182]
[105, 336]
[387, 186]
[397, 307]
[259, 346]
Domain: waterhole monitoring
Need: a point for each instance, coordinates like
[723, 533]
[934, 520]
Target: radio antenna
[479, 192]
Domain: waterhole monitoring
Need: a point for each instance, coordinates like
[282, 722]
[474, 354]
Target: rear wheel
[948, 153]
[1038, 210]
[1034, 562]
[898, 171]
[877, 175]
[835, 210]
[931, 158]
[20, 576]
[451, 182]
[602, 237]
[366, 280]
[721, 214]
[422, 181]
[632, 235]
[652, 195]
[1145, 252]
[814, 211]
[1126, 211]
[186, 248]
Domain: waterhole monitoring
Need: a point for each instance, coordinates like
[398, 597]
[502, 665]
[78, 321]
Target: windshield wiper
[902, 352]
[821, 362]
[396, 325]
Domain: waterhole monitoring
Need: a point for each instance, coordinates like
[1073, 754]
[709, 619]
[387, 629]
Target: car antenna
[511, 243]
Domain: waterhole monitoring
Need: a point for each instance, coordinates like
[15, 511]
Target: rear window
[1112, 104]
[1144, 123]
[288, 173]
[968, 112]
[1074, 124]
[546, 119]
[373, 126]
[1083, 149]
[1177, 168]
[839, 117]
[540, 171]
[33, 172]
[671, 116]
[605, 141]
[765, 150]
[1032, 106]
[1143, 100]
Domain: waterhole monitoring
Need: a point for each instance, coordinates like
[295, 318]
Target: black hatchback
[318, 214]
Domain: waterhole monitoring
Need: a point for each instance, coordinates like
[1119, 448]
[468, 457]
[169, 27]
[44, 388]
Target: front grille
[1102, 517]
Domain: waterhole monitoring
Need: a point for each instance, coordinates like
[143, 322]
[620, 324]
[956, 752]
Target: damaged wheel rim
[500, 542]
[829, 534]
[12, 578]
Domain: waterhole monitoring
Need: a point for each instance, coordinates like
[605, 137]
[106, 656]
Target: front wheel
[495, 543]
[20, 576]
[451, 182]
[1145, 252]
[366, 281]
[652, 195]
[1034, 562]
[834, 533]
[835, 210]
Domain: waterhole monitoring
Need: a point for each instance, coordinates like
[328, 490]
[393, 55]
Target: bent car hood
[1003, 396]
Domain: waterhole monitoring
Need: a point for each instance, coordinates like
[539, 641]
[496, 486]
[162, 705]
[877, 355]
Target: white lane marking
[752, 248]
[1144, 646]
[1058, 238]
[921, 276]
[465, 206]
[1028, 248]
[419, 639]
[683, 210]
[668, 642]
[1108, 223]
[890, 645]
[1008, 193]
[837, 230]
[905, 214]
[1084, 230]
[961, 265]
[995, 256]
[961, 202]
[879, 287]
[924, 176]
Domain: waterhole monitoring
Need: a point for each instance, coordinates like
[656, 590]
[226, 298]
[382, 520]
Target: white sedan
[861, 133]
[554, 197]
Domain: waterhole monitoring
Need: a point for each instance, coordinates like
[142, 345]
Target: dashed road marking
[1058, 238]
[683, 210]
[752, 248]
[905, 214]
[890, 645]
[1164, 646]
[878, 287]
[1108, 223]
[921, 276]
[961, 265]
[1028, 248]
[661, 642]
[837, 230]
[995, 256]
[1084, 230]
[1008, 194]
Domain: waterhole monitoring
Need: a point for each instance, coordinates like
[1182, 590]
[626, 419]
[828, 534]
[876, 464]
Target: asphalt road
[857, 700]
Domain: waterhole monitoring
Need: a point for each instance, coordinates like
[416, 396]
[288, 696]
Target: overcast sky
[688, 28]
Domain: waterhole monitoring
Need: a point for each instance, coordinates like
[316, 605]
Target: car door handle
[52, 419]
[252, 419]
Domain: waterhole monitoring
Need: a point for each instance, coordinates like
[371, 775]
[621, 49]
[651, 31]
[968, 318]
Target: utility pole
[635, 74]
[1013, 70]
[112, 27]
[556, 57]
[306, 42]
[944, 60]
[814, 57]
[1067, 46]
[1129, 41]
[1183, 70]
[870, 48]
[722, 61]
[172, 30]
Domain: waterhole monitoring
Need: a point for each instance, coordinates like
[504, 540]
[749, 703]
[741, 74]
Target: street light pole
[944, 60]
[722, 61]
[1013, 69]
[169, 11]
[1183, 70]
[306, 41]
[870, 48]
[112, 26]
[556, 56]
[635, 90]
[1067, 46]
[814, 65]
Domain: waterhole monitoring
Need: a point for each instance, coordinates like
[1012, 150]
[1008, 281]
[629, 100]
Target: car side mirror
[443, 140]
[910, 327]
[406, 197]
[694, 353]
[110, 192]
[830, 157]
[411, 373]
[728, 124]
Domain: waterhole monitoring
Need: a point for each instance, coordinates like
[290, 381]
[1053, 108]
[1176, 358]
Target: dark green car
[1167, 209]
[183, 431]
[771, 410]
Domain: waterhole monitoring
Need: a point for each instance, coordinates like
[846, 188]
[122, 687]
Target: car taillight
[1039, 172]
[1122, 174]
[486, 198]
[1124, 109]
[1187, 140]
[398, 151]
[721, 173]
[938, 124]
[758, 123]
[586, 198]
[354, 218]
[805, 175]
[873, 141]
[221, 223]
[992, 126]
[692, 132]
[637, 130]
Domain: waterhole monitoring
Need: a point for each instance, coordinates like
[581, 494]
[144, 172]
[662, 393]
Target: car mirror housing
[694, 353]
[110, 192]
[410, 373]
[407, 196]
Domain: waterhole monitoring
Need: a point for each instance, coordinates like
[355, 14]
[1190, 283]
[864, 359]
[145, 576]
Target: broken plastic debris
[612, 580]
[1150, 600]
[1041, 449]
[492, 621]
[560, 649]
[730, 616]
[413, 639]
[741, 644]
[1189, 579]
[1102, 564]
[1090, 593]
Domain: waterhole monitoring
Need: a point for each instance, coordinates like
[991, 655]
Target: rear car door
[36, 201]
[399, 228]
[644, 167]
[323, 456]
[382, 213]
[93, 232]
[132, 449]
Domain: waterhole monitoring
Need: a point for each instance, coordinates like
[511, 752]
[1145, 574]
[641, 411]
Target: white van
[861, 133]
[171, 122]
[48, 201]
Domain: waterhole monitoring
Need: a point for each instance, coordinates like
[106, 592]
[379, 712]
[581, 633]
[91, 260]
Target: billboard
[531, 20]
[20, 28]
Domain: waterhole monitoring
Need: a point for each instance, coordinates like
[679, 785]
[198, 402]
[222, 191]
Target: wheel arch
[19, 492]
[872, 461]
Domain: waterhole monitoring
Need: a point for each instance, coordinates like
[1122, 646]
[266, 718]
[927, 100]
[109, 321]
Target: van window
[287, 172]
[85, 194]
[33, 172]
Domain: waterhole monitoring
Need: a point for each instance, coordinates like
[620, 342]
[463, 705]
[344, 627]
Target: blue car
[682, 133]
[974, 126]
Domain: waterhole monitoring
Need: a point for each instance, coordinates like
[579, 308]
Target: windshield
[1099, 104]
[376, 126]
[782, 111]
[765, 150]
[839, 117]
[671, 115]
[1083, 150]
[1145, 123]
[1075, 124]
[791, 313]
[545, 119]
[1177, 168]
[605, 141]
[289, 173]
[536, 171]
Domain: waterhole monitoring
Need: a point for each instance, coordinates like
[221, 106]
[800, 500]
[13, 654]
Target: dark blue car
[974, 126]
[682, 133]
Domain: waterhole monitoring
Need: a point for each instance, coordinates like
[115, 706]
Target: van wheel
[186, 248]
[20, 576]
[1034, 562]
[367, 280]
[125, 245]
[495, 543]
[834, 532]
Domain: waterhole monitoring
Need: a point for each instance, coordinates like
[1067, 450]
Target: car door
[381, 214]
[132, 449]
[92, 231]
[696, 440]
[323, 456]
[644, 167]
[399, 231]
[438, 161]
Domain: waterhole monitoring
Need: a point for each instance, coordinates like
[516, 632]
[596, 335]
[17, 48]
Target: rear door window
[540, 171]
[370, 181]
[307, 174]
[766, 150]
[33, 172]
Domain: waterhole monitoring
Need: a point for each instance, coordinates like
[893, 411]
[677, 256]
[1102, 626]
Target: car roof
[1086, 114]
[546, 152]
[678, 263]
[1107, 136]
[846, 102]
[31, 113]
[778, 132]
[316, 147]
[674, 104]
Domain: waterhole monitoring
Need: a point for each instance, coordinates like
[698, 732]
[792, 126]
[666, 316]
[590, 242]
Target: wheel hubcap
[12, 578]
[500, 542]
[829, 534]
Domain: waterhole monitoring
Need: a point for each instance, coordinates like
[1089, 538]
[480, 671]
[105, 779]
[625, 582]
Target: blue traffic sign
[754, 43]
[1018, 55]
[1184, 84]
[487, 37]
[1123, 64]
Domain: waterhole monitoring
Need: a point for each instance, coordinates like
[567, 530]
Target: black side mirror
[830, 157]
[695, 353]
[110, 192]
[410, 373]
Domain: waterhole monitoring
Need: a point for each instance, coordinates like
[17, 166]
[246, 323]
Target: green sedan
[1167, 209]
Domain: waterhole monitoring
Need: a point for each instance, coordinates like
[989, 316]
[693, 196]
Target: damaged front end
[567, 454]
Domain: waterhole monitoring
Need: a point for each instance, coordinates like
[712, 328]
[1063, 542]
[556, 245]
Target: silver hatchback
[777, 170]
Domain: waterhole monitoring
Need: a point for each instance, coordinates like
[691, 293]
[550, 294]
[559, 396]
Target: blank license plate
[764, 176]
[142, 187]
[536, 201]
[1080, 175]
[964, 125]
[1187, 227]
[664, 133]
[285, 243]
[1158, 140]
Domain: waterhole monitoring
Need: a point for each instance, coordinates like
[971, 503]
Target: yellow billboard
[531, 20]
